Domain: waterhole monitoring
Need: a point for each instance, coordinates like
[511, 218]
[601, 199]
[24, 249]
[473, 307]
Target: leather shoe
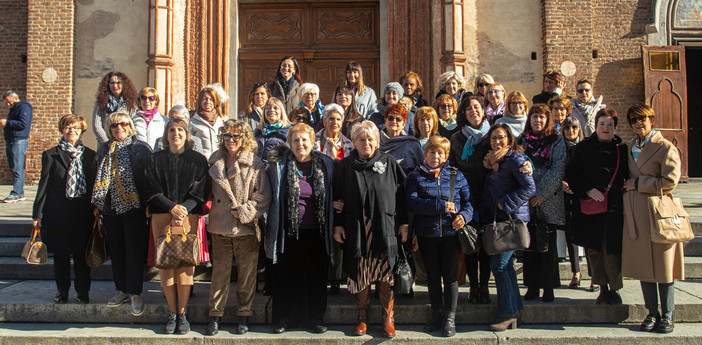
[649, 323]
[503, 323]
[548, 296]
[319, 328]
[243, 326]
[118, 299]
[665, 325]
[137, 305]
[531, 294]
[61, 298]
[279, 329]
[614, 298]
[83, 299]
[213, 327]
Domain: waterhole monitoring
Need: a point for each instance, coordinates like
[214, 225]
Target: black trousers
[440, 256]
[300, 280]
[541, 269]
[62, 273]
[478, 260]
[127, 240]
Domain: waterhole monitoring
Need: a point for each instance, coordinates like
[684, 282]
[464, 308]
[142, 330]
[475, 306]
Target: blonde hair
[486, 78]
[215, 99]
[150, 90]
[300, 127]
[119, 116]
[248, 142]
[283, 115]
[437, 143]
[516, 95]
[70, 119]
[447, 76]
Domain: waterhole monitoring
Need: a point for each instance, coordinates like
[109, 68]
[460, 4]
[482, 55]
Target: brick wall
[572, 30]
[13, 69]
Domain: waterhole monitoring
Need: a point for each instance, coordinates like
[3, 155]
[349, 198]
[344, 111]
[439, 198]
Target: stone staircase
[28, 315]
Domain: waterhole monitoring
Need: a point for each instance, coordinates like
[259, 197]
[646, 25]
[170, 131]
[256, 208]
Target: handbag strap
[615, 170]
[452, 185]
[36, 232]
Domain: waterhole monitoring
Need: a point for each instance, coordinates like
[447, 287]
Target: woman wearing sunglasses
[119, 185]
[148, 122]
[585, 106]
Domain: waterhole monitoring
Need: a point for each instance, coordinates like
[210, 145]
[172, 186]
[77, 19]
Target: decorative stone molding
[160, 61]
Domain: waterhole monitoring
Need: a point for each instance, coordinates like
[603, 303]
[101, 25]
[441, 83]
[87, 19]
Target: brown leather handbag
[175, 247]
[96, 250]
[34, 250]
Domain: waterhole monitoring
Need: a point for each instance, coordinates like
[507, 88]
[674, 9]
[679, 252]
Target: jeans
[15, 151]
[509, 302]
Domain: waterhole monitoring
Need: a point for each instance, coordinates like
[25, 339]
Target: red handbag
[589, 206]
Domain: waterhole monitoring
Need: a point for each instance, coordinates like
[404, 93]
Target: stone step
[12, 246]
[32, 301]
[106, 334]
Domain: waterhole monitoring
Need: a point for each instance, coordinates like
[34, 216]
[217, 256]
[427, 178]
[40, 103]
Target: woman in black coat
[65, 186]
[286, 85]
[588, 175]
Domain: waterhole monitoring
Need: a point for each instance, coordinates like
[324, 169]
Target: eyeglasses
[228, 137]
[446, 106]
[115, 83]
[150, 98]
[494, 91]
[74, 129]
[394, 119]
[566, 128]
[483, 84]
[498, 138]
[517, 103]
[119, 124]
[584, 90]
[642, 118]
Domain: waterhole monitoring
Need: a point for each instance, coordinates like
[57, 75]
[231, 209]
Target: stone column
[160, 62]
[453, 56]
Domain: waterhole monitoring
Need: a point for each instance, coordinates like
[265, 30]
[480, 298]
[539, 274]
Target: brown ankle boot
[389, 320]
[503, 323]
[362, 325]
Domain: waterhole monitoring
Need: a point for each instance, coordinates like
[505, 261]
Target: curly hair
[248, 142]
[129, 92]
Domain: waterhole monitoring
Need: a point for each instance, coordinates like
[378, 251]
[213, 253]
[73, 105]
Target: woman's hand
[257, 197]
[96, 212]
[526, 168]
[36, 223]
[534, 201]
[235, 212]
[566, 187]
[179, 212]
[499, 206]
[630, 184]
[450, 207]
[338, 205]
[339, 234]
[595, 194]
[176, 222]
[459, 222]
[402, 230]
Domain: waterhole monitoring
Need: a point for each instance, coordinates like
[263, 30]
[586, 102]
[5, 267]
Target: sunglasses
[446, 106]
[483, 84]
[584, 90]
[119, 124]
[517, 102]
[394, 119]
[150, 98]
[642, 118]
[570, 127]
[228, 137]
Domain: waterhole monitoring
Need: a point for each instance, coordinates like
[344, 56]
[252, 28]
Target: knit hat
[394, 86]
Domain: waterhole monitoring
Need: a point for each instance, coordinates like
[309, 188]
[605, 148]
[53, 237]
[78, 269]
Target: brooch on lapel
[379, 167]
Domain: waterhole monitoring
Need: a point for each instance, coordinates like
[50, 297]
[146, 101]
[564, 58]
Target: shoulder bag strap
[615, 170]
[452, 185]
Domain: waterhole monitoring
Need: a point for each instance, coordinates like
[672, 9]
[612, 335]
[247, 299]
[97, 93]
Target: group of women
[344, 186]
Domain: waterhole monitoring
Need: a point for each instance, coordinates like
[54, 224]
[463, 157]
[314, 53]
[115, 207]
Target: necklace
[299, 173]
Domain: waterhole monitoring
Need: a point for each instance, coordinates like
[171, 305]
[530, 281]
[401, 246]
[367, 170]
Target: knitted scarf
[474, 137]
[538, 148]
[114, 104]
[293, 189]
[449, 124]
[75, 182]
[147, 115]
[115, 176]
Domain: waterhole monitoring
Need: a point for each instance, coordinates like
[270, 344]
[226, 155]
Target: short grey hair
[177, 110]
[119, 116]
[570, 121]
[304, 88]
[446, 76]
[10, 93]
[332, 107]
[365, 127]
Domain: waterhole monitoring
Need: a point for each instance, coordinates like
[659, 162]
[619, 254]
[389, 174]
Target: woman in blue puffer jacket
[436, 216]
[507, 192]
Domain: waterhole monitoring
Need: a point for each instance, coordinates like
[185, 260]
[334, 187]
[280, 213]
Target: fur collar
[277, 154]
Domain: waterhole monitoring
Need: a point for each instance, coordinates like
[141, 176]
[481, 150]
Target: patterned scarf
[293, 185]
[538, 148]
[147, 115]
[450, 124]
[493, 113]
[114, 104]
[75, 183]
[638, 145]
[474, 137]
[436, 171]
[115, 176]
[268, 129]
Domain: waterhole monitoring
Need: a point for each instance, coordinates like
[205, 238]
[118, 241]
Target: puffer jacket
[427, 196]
[151, 133]
[267, 142]
[508, 187]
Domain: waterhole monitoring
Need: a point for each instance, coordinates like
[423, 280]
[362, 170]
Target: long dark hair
[465, 104]
[355, 66]
[298, 73]
[514, 145]
[351, 112]
[541, 108]
[129, 92]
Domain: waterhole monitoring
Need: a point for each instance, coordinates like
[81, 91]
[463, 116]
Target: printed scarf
[75, 182]
[538, 148]
[114, 104]
[115, 176]
[293, 186]
[268, 129]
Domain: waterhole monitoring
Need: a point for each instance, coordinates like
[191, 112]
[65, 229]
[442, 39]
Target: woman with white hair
[329, 140]
[452, 84]
[310, 99]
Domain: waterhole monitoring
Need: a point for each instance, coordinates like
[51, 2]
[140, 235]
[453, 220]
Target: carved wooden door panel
[323, 38]
[666, 92]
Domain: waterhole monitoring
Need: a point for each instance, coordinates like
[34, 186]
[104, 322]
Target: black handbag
[505, 236]
[403, 275]
[467, 235]
[539, 232]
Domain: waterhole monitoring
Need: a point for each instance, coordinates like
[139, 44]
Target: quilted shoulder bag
[467, 235]
[669, 221]
[589, 206]
[34, 250]
[179, 246]
[96, 250]
[505, 236]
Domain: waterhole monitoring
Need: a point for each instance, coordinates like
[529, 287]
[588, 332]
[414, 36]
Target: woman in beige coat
[654, 166]
[241, 194]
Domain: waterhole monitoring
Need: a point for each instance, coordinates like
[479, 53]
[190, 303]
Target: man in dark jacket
[16, 129]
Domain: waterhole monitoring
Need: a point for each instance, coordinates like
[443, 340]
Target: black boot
[450, 324]
[243, 326]
[604, 295]
[213, 327]
[435, 321]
